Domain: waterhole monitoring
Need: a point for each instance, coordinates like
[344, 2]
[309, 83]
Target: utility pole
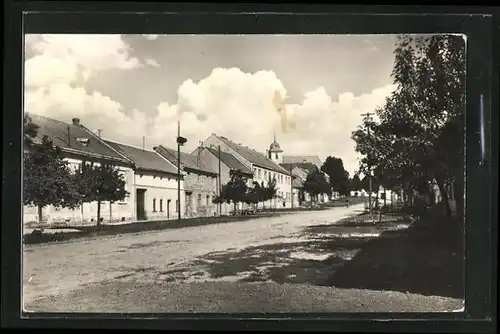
[180, 142]
[368, 116]
[291, 188]
[143, 143]
[219, 183]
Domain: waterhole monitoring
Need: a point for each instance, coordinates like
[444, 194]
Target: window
[176, 205]
[199, 199]
[208, 200]
[161, 205]
[258, 171]
[276, 156]
[154, 204]
[265, 174]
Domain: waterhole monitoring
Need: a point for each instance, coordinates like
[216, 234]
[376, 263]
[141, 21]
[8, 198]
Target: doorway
[141, 199]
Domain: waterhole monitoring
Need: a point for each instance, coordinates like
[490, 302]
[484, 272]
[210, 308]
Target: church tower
[275, 152]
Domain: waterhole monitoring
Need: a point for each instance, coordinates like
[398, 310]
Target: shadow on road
[311, 262]
[384, 256]
[314, 258]
[427, 260]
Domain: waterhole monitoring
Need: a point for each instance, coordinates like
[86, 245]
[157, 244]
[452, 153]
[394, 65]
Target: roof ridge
[129, 145]
[52, 119]
[81, 126]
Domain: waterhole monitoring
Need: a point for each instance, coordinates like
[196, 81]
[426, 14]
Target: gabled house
[264, 167]
[300, 170]
[79, 145]
[300, 159]
[224, 163]
[200, 183]
[299, 177]
[153, 183]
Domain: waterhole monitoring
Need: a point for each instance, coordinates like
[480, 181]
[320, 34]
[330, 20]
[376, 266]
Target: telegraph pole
[368, 116]
[219, 183]
[180, 142]
[291, 188]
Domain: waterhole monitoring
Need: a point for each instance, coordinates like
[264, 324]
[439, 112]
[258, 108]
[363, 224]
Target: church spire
[275, 146]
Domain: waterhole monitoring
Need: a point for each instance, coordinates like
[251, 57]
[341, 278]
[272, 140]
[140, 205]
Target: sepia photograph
[314, 173]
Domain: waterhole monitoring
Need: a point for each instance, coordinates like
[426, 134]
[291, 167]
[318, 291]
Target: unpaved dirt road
[277, 264]
[51, 269]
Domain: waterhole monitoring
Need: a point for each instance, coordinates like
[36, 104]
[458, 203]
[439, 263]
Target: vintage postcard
[243, 173]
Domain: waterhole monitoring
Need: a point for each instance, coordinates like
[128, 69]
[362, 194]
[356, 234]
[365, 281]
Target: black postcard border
[481, 185]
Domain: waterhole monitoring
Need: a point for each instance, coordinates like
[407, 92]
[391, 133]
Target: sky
[135, 86]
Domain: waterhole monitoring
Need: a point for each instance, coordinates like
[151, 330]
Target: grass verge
[427, 258]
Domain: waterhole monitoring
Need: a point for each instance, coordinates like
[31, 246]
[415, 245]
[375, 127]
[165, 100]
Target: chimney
[69, 137]
[76, 121]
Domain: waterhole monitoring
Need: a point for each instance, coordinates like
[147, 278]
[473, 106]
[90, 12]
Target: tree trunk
[98, 213]
[432, 195]
[409, 196]
[459, 194]
[110, 213]
[39, 207]
[444, 195]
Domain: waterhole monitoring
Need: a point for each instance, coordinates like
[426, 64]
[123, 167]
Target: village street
[282, 249]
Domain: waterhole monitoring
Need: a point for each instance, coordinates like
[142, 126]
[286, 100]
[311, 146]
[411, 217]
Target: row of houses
[153, 178]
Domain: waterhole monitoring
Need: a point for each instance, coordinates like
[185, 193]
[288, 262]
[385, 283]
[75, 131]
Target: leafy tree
[47, 179]
[356, 183]
[316, 184]
[338, 176]
[235, 191]
[269, 191]
[30, 130]
[418, 135]
[254, 194]
[99, 184]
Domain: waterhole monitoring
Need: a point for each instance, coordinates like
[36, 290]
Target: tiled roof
[190, 161]
[253, 156]
[230, 160]
[307, 166]
[66, 136]
[315, 160]
[144, 159]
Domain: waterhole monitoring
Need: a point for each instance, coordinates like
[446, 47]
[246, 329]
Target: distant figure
[284, 205]
[347, 202]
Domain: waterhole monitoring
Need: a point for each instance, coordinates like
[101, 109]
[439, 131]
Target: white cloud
[151, 62]
[54, 79]
[239, 106]
[96, 111]
[70, 58]
[87, 53]
[228, 102]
